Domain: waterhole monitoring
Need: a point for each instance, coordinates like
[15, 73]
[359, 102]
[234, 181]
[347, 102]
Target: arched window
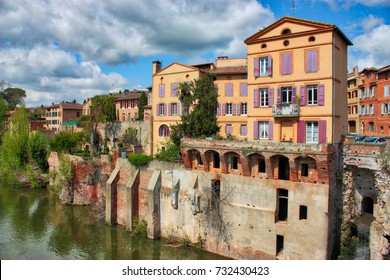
[163, 131]
[286, 31]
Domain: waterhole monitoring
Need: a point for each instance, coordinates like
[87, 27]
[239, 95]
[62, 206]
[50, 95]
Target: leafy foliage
[66, 141]
[12, 96]
[139, 159]
[129, 137]
[171, 153]
[61, 176]
[142, 102]
[38, 148]
[3, 117]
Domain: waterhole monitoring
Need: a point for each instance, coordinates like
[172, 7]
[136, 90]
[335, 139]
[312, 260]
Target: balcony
[285, 110]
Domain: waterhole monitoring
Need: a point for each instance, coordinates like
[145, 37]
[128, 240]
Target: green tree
[38, 148]
[66, 141]
[129, 137]
[13, 97]
[3, 118]
[203, 99]
[142, 102]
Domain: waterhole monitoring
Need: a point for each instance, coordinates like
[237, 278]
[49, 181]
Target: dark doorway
[261, 165]
[282, 207]
[368, 205]
[216, 160]
[279, 243]
[284, 169]
[215, 193]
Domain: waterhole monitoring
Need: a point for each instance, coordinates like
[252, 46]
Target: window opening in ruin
[216, 160]
[235, 163]
[282, 207]
[261, 165]
[304, 169]
[199, 159]
[368, 205]
[284, 169]
[279, 243]
[302, 212]
[215, 193]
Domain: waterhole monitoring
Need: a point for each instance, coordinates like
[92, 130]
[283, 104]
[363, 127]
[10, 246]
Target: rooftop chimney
[156, 67]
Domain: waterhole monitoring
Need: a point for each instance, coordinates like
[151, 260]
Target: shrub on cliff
[139, 159]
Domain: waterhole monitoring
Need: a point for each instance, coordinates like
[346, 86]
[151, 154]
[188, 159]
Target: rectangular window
[243, 89]
[264, 97]
[263, 130]
[243, 130]
[264, 66]
[174, 89]
[229, 89]
[174, 109]
[234, 162]
[372, 91]
[279, 244]
[311, 61]
[287, 95]
[244, 108]
[229, 129]
[261, 165]
[311, 132]
[304, 169]
[386, 90]
[282, 207]
[229, 108]
[162, 90]
[302, 212]
[371, 126]
[286, 63]
[162, 109]
[312, 95]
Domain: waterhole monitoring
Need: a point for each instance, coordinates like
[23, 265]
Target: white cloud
[53, 48]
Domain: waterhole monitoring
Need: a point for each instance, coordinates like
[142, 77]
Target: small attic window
[312, 39]
[286, 43]
[286, 31]
[264, 46]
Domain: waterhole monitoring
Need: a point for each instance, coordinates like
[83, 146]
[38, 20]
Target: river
[34, 225]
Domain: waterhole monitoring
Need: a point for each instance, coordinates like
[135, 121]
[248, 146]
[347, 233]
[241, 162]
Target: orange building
[57, 114]
[374, 109]
[126, 105]
[354, 82]
[297, 82]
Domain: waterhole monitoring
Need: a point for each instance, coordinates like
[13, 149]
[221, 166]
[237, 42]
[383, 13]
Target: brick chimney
[156, 67]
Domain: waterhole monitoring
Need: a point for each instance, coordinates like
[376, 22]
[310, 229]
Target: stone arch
[306, 169]
[195, 158]
[257, 165]
[280, 167]
[232, 162]
[213, 160]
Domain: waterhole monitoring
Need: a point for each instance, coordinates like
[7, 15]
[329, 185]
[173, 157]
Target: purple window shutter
[302, 95]
[244, 130]
[162, 90]
[223, 109]
[294, 95]
[270, 130]
[321, 95]
[322, 132]
[174, 89]
[229, 89]
[233, 109]
[256, 67]
[270, 97]
[269, 66]
[238, 109]
[219, 109]
[256, 98]
[286, 64]
[165, 109]
[169, 109]
[301, 132]
[279, 97]
[157, 109]
[243, 89]
[256, 130]
[311, 61]
[178, 109]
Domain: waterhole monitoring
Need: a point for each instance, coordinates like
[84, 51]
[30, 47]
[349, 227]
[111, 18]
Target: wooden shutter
[256, 67]
[169, 109]
[256, 130]
[157, 109]
[178, 109]
[322, 132]
[238, 109]
[321, 95]
[162, 90]
[223, 109]
[256, 98]
[270, 130]
[243, 89]
[233, 109]
[219, 109]
[174, 89]
[286, 63]
[279, 97]
[302, 96]
[294, 95]
[229, 89]
[269, 66]
[301, 132]
[312, 61]
[270, 97]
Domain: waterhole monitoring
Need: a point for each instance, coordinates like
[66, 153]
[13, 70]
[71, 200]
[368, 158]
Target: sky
[64, 50]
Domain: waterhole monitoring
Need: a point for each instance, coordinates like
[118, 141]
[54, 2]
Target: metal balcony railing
[285, 110]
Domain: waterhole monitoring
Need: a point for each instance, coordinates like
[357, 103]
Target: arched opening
[257, 165]
[163, 131]
[306, 169]
[233, 161]
[286, 31]
[368, 205]
[195, 158]
[213, 160]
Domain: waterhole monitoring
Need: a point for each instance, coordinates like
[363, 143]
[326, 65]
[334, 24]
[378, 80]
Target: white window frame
[244, 108]
[263, 64]
[162, 109]
[264, 97]
[263, 129]
[312, 95]
[229, 109]
[286, 92]
[174, 109]
[312, 132]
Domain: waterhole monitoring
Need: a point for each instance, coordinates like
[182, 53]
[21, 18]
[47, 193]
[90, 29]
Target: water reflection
[34, 225]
